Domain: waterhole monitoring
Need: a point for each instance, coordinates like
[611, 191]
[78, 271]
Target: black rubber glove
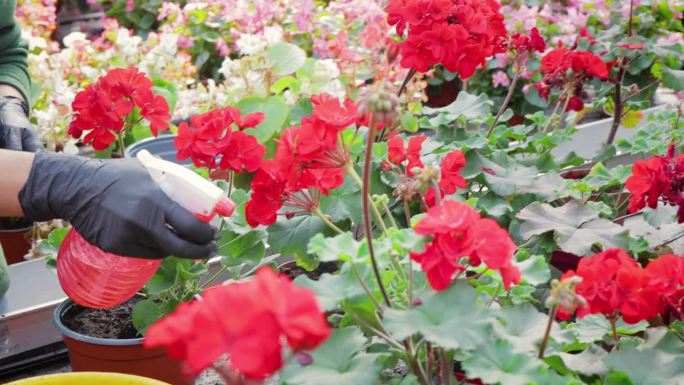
[16, 132]
[114, 205]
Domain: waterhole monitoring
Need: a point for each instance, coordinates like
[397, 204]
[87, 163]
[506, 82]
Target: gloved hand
[16, 132]
[114, 205]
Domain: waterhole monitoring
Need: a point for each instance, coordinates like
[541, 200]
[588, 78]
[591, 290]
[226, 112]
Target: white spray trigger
[183, 186]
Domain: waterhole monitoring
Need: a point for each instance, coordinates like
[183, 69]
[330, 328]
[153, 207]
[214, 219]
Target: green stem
[376, 212]
[407, 212]
[547, 333]
[317, 212]
[121, 144]
[365, 287]
[365, 199]
[415, 366]
[616, 337]
[215, 276]
[553, 114]
[389, 215]
[447, 367]
[504, 105]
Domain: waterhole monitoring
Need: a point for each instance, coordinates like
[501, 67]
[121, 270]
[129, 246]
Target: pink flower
[500, 79]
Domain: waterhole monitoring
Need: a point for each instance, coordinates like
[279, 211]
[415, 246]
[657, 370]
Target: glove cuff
[52, 188]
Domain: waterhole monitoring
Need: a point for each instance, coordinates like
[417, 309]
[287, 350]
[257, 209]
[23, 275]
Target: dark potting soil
[114, 323]
[295, 271]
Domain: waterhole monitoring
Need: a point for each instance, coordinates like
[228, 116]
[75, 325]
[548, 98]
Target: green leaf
[286, 83]
[338, 361]
[494, 205]
[275, 109]
[340, 247]
[523, 327]
[440, 314]
[618, 378]
[648, 366]
[291, 236]
[237, 249]
[498, 363]
[286, 58]
[343, 203]
[332, 289]
[576, 227]
[595, 326]
[145, 313]
[409, 122]
[167, 275]
[466, 105]
[673, 79]
[588, 361]
[535, 270]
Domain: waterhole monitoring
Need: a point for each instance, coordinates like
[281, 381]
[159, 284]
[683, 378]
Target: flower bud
[564, 296]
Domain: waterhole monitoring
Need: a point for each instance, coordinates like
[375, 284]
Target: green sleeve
[13, 51]
[4, 274]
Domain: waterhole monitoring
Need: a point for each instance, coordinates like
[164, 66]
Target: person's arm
[14, 74]
[15, 167]
[16, 131]
[113, 204]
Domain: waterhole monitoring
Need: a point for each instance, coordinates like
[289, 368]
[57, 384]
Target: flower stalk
[365, 200]
[504, 105]
[547, 332]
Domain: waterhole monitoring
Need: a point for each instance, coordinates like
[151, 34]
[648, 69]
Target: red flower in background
[209, 140]
[271, 309]
[614, 283]
[459, 34]
[458, 231]
[407, 159]
[556, 66]
[101, 109]
[309, 160]
[658, 178]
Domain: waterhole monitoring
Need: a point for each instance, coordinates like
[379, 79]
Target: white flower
[70, 148]
[229, 67]
[250, 44]
[71, 39]
[325, 70]
[273, 34]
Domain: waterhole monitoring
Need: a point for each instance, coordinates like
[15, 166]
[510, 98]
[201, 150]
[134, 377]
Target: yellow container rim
[88, 378]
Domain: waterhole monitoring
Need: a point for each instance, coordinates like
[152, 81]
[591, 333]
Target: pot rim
[17, 230]
[140, 144]
[57, 321]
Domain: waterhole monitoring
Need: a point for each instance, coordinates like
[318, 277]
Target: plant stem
[447, 367]
[376, 211]
[415, 366]
[438, 193]
[317, 212]
[121, 144]
[407, 79]
[365, 198]
[617, 96]
[365, 287]
[616, 337]
[547, 332]
[555, 109]
[407, 212]
[389, 215]
[504, 105]
[215, 276]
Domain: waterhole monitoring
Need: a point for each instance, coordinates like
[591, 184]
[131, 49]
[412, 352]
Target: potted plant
[443, 243]
[15, 238]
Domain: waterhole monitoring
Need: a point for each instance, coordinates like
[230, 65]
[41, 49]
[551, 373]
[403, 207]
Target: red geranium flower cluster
[101, 109]
[248, 321]
[521, 47]
[211, 142]
[459, 34]
[614, 283]
[309, 160]
[407, 159]
[556, 66]
[658, 178]
[458, 231]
